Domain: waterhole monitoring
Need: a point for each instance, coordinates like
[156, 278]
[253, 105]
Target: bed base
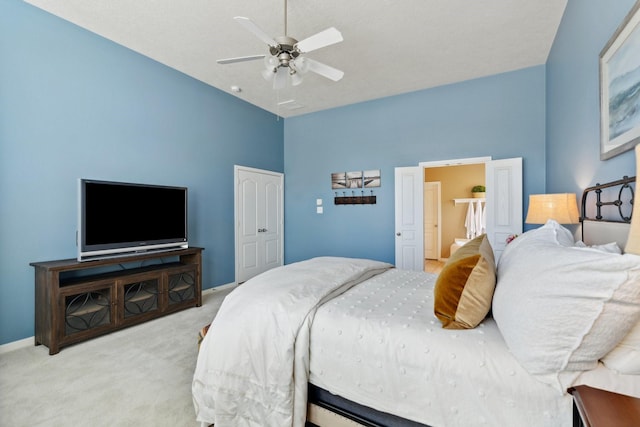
[318, 416]
[328, 410]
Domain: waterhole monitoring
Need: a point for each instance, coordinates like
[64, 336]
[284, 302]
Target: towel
[470, 222]
[478, 218]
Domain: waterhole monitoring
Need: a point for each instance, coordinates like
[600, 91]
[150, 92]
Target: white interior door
[409, 218]
[504, 201]
[432, 234]
[259, 221]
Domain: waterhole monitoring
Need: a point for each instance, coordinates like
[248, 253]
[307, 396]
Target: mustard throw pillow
[464, 289]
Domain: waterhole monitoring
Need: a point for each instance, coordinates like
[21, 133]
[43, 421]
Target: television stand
[76, 301]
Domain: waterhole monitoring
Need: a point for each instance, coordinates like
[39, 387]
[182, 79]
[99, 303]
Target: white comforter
[380, 345]
[253, 364]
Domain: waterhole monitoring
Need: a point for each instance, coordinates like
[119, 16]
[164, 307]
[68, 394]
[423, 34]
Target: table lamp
[562, 207]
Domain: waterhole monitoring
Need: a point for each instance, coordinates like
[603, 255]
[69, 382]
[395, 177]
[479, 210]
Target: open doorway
[503, 206]
[456, 183]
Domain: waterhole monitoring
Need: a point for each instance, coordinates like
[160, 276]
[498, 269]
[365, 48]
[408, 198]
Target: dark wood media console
[76, 301]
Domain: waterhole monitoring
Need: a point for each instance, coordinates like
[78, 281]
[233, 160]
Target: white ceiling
[389, 47]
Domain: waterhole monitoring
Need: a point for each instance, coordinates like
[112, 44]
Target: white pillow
[625, 357]
[607, 247]
[562, 307]
[551, 232]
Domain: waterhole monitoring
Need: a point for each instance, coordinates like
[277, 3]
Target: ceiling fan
[286, 60]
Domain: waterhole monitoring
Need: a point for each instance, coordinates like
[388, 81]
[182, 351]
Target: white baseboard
[29, 341]
[219, 288]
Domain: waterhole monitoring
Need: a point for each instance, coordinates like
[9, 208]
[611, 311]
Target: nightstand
[599, 408]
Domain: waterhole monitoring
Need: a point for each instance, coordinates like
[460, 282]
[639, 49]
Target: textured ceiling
[389, 47]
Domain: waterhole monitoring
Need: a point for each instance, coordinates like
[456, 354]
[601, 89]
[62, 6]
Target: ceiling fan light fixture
[268, 74]
[296, 78]
[271, 62]
[280, 79]
[301, 65]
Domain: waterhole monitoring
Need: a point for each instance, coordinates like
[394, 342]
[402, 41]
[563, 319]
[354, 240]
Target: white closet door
[504, 201]
[259, 221]
[409, 218]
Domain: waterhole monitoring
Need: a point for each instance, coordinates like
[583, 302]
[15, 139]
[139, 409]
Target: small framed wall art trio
[357, 180]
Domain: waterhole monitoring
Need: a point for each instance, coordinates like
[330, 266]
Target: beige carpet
[139, 376]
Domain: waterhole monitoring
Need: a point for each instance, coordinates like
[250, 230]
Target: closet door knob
[398, 234]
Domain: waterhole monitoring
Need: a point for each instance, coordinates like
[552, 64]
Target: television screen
[117, 217]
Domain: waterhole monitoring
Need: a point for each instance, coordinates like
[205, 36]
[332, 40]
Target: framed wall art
[620, 88]
[354, 179]
[371, 178]
[338, 180]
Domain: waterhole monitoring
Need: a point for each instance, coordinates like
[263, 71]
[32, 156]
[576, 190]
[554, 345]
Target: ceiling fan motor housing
[286, 45]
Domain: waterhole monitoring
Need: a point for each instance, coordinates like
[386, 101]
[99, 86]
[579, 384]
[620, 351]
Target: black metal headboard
[625, 186]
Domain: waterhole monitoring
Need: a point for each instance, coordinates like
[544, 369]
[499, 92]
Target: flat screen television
[119, 218]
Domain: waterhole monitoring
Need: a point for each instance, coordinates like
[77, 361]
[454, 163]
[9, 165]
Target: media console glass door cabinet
[76, 301]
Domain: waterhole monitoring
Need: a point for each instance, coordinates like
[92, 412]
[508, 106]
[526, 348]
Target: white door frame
[455, 162]
[237, 219]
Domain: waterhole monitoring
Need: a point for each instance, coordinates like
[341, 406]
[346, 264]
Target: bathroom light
[562, 207]
[633, 242]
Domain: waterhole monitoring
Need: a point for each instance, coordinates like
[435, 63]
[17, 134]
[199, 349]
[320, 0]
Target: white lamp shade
[562, 208]
[268, 74]
[280, 79]
[633, 241]
[271, 69]
[301, 64]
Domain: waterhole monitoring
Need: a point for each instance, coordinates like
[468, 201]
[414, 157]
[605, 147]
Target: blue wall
[73, 104]
[573, 106]
[502, 116]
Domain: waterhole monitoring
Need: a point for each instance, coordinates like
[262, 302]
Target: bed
[347, 342]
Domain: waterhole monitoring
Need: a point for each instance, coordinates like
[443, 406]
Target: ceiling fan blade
[324, 70]
[239, 59]
[323, 38]
[257, 31]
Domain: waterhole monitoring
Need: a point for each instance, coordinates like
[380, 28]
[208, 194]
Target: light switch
[319, 202]
[319, 209]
